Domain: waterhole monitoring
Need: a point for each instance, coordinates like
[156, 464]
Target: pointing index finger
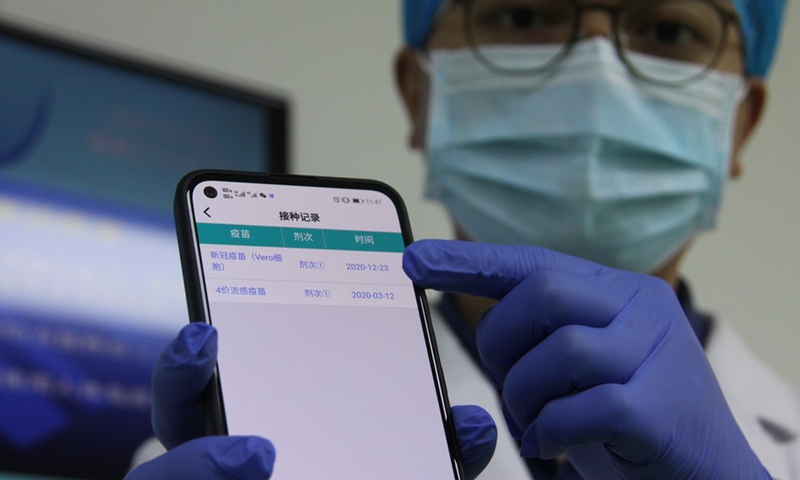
[482, 269]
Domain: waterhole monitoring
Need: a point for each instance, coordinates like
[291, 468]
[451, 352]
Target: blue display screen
[90, 279]
[82, 126]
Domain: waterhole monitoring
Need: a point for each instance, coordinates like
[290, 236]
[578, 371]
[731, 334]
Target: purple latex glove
[179, 377]
[211, 458]
[181, 372]
[588, 355]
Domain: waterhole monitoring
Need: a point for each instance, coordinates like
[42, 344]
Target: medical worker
[603, 131]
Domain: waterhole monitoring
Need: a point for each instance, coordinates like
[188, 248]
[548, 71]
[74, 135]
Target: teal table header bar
[290, 237]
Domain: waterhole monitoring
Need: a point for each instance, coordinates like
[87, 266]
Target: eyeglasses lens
[688, 31]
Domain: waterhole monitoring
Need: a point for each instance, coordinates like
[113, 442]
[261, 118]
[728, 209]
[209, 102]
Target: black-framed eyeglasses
[693, 33]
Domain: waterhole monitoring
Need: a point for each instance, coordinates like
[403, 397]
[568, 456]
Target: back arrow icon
[206, 212]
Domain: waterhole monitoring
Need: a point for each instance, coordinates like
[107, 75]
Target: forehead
[449, 7]
[727, 5]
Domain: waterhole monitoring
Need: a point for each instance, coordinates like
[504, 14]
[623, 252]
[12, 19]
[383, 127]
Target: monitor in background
[92, 146]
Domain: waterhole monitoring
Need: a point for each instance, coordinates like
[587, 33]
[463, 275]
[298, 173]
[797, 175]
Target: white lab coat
[765, 406]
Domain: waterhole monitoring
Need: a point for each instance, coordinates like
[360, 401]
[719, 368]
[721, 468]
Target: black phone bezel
[213, 399]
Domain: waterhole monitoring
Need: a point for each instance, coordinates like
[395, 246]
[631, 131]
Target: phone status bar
[357, 200]
[231, 193]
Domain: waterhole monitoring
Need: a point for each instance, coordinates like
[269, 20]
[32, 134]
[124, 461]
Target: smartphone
[325, 345]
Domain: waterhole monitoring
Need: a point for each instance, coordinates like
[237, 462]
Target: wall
[335, 61]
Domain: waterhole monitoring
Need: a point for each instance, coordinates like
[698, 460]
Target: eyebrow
[728, 7]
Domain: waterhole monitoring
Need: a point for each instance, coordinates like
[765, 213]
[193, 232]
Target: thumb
[211, 458]
[477, 437]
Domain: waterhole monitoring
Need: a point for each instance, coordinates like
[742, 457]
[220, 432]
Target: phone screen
[323, 342]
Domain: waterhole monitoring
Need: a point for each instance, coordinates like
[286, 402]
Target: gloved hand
[181, 373]
[590, 355]
[211, 458]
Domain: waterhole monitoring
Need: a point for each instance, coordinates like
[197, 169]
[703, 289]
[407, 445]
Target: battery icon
[356, 200]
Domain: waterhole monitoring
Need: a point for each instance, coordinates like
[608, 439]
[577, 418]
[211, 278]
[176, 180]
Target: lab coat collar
[764, 405]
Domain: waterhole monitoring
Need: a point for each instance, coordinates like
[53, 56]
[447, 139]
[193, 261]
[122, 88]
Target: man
[603, 130]
[559, 124]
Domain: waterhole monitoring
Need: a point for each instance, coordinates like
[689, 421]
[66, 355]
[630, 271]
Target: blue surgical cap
[761, 24]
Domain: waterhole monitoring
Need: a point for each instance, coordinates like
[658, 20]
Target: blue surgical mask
[588, 161]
